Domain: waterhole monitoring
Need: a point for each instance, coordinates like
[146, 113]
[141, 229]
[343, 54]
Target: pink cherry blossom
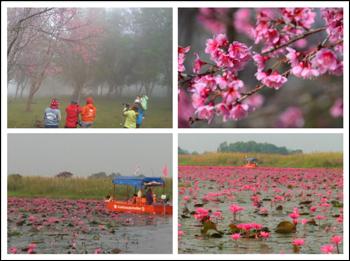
[334, 21]
[260, 61]
[241, 22]
[325, 60]
[239, 111]
[292, 117]
[272, 80]
[181, 57]
[206, 112]
[198, 63]
[337, 109]
[303, 17]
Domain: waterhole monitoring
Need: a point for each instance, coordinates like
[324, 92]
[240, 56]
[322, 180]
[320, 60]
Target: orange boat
[137, 204]
[251, 163]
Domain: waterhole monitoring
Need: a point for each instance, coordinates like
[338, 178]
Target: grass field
[108, 115]
[71, 188]
[307, 160]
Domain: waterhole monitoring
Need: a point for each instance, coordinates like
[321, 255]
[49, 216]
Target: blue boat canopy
[138, 182]
[251, 159]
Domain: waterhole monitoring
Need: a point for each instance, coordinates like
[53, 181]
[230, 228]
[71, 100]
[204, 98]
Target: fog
[85, 154]
[77, 52]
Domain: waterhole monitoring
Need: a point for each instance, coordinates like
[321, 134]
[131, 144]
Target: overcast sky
[305, 142]
[84, 154]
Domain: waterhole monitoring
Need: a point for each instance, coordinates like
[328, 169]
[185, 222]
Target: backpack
[144, 101]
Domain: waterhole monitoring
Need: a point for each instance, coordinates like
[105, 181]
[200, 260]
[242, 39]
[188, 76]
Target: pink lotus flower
[336, 239]
[294, 214]
[236, 208]
[201, 213]
[180, 233]
[304, 221]
[264, 234]
[298, 242]
[98, 251]
[186, 198]
[327, 249]
[13, 250]
[217, 214]
[313, 209]
[236, 236]
[319, 217]
[31, 248]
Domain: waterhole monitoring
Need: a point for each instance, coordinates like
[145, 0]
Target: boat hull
[125, 207]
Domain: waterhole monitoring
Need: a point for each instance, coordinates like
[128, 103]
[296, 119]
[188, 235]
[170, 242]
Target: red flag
[165, 171]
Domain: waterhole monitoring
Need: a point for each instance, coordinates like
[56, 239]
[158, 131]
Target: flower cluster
[181, 57]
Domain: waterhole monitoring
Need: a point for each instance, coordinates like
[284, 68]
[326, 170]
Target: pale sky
[305, 142]
[84, 154]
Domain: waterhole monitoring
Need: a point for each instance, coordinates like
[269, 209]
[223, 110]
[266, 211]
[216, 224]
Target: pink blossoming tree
[281, 44]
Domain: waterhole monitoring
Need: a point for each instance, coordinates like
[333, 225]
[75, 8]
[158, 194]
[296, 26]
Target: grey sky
[305, 142]
[84, 154]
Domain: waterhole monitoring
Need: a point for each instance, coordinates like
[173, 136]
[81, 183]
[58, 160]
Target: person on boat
[52, 115]
[154, 198]
[88, 113]
[130, 115]
[139, 193]
[72, 118]
[149, 196]
[108, 198]
[133, 199]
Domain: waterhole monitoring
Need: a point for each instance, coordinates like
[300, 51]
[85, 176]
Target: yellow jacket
[130, 118]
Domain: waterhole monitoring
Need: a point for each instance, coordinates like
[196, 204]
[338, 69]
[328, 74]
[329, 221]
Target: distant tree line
[181, 151]
[252, 146]
[67, 174]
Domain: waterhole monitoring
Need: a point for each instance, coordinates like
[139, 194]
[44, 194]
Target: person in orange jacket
[88, 113]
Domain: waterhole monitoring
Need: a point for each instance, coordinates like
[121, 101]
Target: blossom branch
[302, 36]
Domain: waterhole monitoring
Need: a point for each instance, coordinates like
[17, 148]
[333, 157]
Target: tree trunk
[140, 89]
[17, 90]
[30, 98]
[77, 92]
[22, 90]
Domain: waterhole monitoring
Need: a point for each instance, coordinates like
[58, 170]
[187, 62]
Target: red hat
[54, 104]
[89, 100]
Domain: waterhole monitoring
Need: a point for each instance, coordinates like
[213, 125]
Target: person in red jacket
[72, 118]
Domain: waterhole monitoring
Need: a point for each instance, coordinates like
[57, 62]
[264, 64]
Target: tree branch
[302, 36]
